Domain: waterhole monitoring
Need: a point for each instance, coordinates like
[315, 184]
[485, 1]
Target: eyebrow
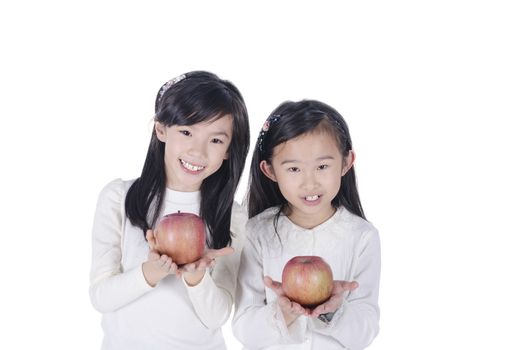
[220, 133]
[298, 161]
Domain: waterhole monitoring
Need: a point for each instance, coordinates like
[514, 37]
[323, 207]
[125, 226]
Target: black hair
[288, 121]
[193, 98]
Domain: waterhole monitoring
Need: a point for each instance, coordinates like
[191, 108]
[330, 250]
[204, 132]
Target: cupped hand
[194, 272]
[208, 259]
[157, 266]
[290, 309]
[336, 299]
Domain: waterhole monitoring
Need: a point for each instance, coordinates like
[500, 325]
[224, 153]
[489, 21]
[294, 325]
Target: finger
[273, 285]
[151, 239]
[153, 255]
[167, 263]
[298, 309]
[215, 253]
[158, 263]
[318, 310]
[164, 262]
[330, 306]
[342, 286]
[284, 303]
[189, 267]
[346, 285]
[173, 268]
[200, 264]
[352, 285]
[290, 306]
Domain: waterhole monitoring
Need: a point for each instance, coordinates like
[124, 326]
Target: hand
[194, 272]
[157, 267]
[336, 299]
[290, 309]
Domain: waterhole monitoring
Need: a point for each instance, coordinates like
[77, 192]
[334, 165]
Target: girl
[194, 162]
[303, 200]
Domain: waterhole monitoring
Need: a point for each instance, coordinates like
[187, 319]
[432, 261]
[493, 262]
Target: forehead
[219, 124]
[307, 147]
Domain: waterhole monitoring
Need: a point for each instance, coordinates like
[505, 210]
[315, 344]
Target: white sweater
[171, 315]
[349, 244]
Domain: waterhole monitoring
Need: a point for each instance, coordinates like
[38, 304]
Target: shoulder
[115, 191]
[351, 222]
[262, 222]
[239, 213]
[239, 219]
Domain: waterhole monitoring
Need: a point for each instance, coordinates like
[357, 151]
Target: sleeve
[356, 322]
[213, 297]
[110, 288]
[258, 323]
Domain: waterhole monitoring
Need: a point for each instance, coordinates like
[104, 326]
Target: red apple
[181, 236]
[307, 280]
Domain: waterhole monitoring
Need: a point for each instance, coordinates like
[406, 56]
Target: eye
[293, 169]
[185, 132]
[218, 141]
[322, 167]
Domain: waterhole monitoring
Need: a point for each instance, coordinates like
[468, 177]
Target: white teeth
[190, 166]
[312, 198]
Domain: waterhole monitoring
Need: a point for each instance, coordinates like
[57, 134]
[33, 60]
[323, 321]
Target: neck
[309, 221]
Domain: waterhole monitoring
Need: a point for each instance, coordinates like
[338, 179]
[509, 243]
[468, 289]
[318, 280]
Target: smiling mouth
[312, 198]
[190, 166]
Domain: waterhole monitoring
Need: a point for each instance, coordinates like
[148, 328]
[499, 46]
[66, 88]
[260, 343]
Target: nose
[198, 148]
[310, 181]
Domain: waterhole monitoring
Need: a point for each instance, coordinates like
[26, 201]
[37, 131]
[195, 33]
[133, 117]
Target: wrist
[289, 318]
[147, 275]
[193, 278]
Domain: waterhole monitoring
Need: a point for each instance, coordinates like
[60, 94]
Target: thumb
[151, 239]
[273, 285]
[350, 286]
[215, 253]
[224, 251]
[268, 282]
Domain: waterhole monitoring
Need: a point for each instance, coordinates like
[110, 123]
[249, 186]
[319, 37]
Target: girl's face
[308, 170]
[194, 152]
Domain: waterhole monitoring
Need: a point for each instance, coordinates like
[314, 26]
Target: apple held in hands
[181, 236]
[307, 280]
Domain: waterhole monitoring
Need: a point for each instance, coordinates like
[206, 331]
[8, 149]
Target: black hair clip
[272, 119]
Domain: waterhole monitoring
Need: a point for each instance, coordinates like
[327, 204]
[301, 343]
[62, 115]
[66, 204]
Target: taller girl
[194, 163]
[303, 201]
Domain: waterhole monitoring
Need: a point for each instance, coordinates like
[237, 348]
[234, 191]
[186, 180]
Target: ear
[267, 169]
[348, 162]
[161, 131]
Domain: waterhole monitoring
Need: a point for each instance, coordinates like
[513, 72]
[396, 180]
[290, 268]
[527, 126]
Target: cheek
[218, 153]
[335, 181]
[286, 184]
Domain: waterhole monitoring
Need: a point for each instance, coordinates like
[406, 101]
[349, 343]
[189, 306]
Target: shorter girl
[303, 200]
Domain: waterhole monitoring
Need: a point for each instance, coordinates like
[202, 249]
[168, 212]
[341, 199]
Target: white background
[435, 94]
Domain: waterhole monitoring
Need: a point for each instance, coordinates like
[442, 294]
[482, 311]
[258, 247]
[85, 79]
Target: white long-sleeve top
[171, 315]
[348, 243]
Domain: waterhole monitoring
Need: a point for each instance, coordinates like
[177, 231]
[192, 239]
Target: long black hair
[193, 98]
[286, 122]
